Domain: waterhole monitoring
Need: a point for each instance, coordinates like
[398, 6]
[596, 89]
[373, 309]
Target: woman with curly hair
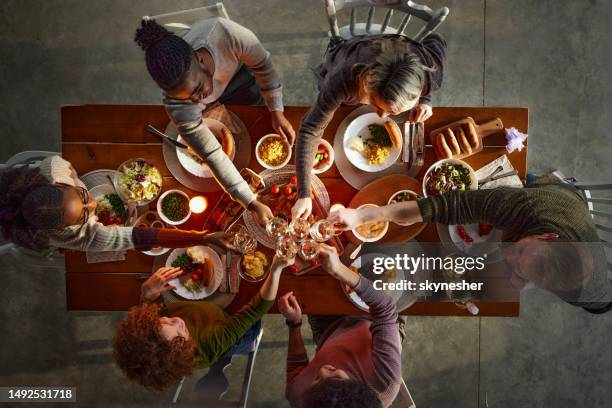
[217, 60]
[157, 346]
[49, 206]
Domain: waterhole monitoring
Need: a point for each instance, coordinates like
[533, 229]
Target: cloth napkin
[512, 181]
[233, 278]
[101, 257]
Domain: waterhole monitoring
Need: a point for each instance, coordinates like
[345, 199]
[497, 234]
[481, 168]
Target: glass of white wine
[300, 228]
[276, 227]
[309, 249]
[323, 230]
[244, 241]
[286, 246]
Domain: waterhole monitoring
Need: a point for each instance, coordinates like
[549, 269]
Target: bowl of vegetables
[324, 158]
[449, 175]
[110, 209]
[402, 196]
[138, 181]
[173, 207]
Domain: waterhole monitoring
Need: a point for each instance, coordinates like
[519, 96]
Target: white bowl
[473, 179]
[163, 216]
[192, 165]
[125, 195]
[263, 163]
[359, 126]
[412, 193]
[372, 239]
[330, 149]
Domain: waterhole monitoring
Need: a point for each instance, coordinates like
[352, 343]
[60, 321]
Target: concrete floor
[552, 57]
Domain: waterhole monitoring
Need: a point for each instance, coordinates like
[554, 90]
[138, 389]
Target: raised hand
[158, 283]
[290, 308]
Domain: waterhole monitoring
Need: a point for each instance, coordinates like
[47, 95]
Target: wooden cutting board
[378, 192]
[483, 130]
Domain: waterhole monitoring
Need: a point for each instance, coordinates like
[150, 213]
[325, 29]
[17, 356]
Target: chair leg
[246, 384]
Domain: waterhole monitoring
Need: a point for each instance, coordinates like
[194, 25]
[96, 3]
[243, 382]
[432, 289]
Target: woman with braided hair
[389, 72]
[48, 206]
[216, 60]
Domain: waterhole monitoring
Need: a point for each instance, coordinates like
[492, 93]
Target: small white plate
[330, 149]
[412, 194]
[193, 166]
[181, 290]
[359, 127]
[484, 244]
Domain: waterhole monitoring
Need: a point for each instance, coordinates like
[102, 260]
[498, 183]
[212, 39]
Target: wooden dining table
[104, 136]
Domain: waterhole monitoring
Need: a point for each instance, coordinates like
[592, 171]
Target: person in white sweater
[217, 60]
[49, 206]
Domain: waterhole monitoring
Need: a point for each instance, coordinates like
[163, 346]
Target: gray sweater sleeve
[187, 117]
[387, 346]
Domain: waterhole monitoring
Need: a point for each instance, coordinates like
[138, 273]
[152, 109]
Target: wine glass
[286, 246]
[276, 227]
[309, 249]
[300, 228]
[323, 230]
[244, 241]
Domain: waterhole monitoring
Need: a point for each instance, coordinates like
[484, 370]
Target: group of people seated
[358, 358]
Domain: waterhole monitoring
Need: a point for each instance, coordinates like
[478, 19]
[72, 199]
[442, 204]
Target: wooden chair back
[183, 19]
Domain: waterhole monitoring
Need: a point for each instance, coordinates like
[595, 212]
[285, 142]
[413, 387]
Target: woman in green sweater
[157, 346]
[554, 242]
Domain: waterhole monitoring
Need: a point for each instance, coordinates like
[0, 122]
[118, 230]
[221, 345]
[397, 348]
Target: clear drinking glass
[276, 227]
[244, 241]
[323, 230]
[309, 249]
[286, 246]
[300, 228]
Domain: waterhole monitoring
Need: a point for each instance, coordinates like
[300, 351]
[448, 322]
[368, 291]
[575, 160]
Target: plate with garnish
[203, 271]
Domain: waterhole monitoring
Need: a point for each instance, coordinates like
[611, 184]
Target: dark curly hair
[30, 207]
[168, 56]
[337, 393]
[145, 356]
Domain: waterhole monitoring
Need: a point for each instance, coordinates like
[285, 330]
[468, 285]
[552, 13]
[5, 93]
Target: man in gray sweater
[216, 60]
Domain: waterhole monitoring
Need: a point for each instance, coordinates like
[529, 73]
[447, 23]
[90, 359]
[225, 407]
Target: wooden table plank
[317, 295]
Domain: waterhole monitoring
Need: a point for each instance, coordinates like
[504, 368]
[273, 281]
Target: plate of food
[203, 271]
[193, 163]
[402, 196]
[110, 208]
[173, 207]
[324, 157]
[363, 265]
[273, 152]
[138, 181]
[253, 267]
[372, 143]
[449, 175]
[370, 232]
[474, 239]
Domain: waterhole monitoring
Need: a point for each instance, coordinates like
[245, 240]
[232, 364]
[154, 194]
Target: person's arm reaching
[187, 117]
[349, 218]
[255, 57]
[297, 357]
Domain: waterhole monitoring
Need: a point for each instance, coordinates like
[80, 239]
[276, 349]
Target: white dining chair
[214, 385]
[403, 399]
[181, 20]
[432, 19]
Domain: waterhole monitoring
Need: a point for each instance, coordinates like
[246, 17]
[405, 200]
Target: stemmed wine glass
[244, 241]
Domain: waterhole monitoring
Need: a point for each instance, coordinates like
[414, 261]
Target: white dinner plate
[193, 166]
[205, 292]
[359, 127]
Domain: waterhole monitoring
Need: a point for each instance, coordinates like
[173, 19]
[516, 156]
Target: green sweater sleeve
[228, 332]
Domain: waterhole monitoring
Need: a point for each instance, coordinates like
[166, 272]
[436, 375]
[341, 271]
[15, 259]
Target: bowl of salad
[403, 196]
[173, 207]
[324, 158]
[449, 175]
[138, 181]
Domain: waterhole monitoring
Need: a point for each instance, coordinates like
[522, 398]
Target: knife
[419, 142]
[176, 143]
[228, 270]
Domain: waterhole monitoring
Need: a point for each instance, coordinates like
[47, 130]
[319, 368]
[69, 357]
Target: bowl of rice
[273, 152]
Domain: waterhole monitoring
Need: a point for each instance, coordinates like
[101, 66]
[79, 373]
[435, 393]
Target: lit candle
[198, 204]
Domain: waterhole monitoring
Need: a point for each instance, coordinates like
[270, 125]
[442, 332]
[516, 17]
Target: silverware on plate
[170, 140]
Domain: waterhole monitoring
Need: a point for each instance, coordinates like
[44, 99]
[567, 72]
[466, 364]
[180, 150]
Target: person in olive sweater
[555, 242]
[157, 346]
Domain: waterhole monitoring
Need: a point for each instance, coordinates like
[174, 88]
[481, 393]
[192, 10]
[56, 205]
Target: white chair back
[432, 19]
[182, 20]
[403, 399]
